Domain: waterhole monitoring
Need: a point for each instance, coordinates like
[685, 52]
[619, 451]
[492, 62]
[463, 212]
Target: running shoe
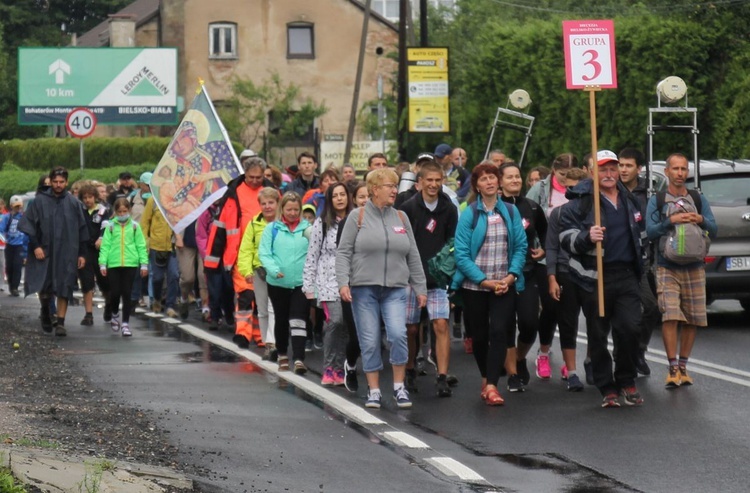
[685, 379]
[674, 379]
[308, 346]
[327, 380]
[574, 384]
[421, 366]
[543, 369]
[641, 365]
[373, 399]
[88, 319]
[402, 398]
[631, 396]
[515, 384]
[523, 371]
[126, 330]
[115, 322]
[442, 388]
[60, 330]
[350, 378]
[338, 377]
[610, 400]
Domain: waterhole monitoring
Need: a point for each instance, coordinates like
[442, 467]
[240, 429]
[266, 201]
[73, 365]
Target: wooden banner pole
[592, 90]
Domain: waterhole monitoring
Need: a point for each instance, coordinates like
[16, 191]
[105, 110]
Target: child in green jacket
[122, 251]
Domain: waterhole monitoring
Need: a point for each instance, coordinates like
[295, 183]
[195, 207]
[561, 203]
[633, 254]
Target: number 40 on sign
[590, 54]
[80, 123]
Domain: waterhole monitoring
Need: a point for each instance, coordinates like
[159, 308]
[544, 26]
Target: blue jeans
[369, 303]
[173, 278]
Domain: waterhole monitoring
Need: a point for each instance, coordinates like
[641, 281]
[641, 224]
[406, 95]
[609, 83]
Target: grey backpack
[685, 243]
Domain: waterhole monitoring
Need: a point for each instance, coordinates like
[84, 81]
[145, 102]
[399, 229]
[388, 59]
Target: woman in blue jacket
[282, 252]
[490, 250]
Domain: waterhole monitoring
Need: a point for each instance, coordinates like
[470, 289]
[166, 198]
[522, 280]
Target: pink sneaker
[327, 380]
[564, 372]
[338, 377]
[543, 369]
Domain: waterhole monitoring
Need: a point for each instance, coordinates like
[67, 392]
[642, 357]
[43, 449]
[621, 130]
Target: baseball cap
[146, 177]
[424, 157]
[605, 156]
[309, 207]
[126, 175]
[443, 150]
[16, 200]
[247, 153]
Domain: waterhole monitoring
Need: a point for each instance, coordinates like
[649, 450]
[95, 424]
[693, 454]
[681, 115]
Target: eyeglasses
[388, 185]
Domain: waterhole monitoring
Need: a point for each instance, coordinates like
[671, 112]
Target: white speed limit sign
[80, 123]
[590, 54]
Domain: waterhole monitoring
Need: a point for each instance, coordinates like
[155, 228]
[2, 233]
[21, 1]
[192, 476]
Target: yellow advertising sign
[427, 78]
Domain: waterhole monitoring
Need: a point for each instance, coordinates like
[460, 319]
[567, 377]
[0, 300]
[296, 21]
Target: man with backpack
[680, 222]
[433, 219]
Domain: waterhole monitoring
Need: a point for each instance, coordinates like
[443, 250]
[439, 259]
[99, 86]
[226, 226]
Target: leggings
[291, 308]
[548, 317]
[491, 318]
[527, 309]
[120, 285]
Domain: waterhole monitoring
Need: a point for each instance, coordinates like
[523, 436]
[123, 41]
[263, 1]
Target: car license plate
[738, 263]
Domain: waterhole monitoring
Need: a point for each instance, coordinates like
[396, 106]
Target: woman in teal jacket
[490, 250]
[282, 252]
[122, 251]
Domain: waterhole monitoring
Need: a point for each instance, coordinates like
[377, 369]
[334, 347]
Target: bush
[99, 152]
[15, 181]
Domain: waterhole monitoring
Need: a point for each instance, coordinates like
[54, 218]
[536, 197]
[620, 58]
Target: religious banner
[196, 167]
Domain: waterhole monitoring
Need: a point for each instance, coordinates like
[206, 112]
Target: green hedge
[16, 181]
[99, 152]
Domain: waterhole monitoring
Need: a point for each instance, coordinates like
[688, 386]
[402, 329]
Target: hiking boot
[631, 396]
[299, 367]
[327, 380]
[441, 387]
[574, 384]
[515, 384]
[674, 379]
[523, 371]
[410, 382]
[588, 368]
[350, 378]
[685, 379]
[126, 330]
[543, 369]
[115, 322]
[88, 319]
[60, 330]
[373, 399]
[641, 366]
[402, 398]
[610, 400]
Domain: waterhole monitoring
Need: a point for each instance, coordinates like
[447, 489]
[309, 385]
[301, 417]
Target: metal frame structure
[526, 129]
[653, 128]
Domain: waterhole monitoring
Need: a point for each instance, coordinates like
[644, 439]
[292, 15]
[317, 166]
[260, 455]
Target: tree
[271, 107]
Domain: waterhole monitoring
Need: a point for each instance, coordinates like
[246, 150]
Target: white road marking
[451, 467]
[404, 440]
[154, 315]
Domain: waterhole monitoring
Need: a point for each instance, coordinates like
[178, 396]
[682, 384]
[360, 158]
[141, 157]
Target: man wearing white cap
[620, 233]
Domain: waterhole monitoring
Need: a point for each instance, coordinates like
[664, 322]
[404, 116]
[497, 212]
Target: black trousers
[14, 265]
[651, 314]
[622, 316]
[548, 316]
[491, 318]
[291, 309]
[352, 346]
[572, 300]
[120, 286]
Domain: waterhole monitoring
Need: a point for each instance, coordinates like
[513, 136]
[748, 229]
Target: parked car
[726, 185]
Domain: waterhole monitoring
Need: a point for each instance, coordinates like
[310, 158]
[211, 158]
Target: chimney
[122, 30]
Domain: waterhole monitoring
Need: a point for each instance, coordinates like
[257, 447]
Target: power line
[622, 11]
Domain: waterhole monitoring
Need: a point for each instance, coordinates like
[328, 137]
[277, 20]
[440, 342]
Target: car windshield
[727, 190]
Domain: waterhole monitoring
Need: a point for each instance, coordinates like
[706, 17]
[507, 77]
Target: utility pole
[357, 83]
[401, 115]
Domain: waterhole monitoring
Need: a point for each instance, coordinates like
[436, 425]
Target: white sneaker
[115, 322]
[126, 330]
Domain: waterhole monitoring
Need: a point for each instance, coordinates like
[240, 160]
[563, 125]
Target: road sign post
[80, 123]
[590, 65]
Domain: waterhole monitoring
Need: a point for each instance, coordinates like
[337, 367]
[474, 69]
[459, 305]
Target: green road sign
[121, 86]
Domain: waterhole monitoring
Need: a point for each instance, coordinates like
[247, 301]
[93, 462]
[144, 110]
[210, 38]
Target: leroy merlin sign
[121, 86]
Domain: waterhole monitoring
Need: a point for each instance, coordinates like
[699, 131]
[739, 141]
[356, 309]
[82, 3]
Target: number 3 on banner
[593, 55]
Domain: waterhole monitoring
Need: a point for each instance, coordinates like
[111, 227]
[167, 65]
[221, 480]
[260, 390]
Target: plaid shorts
[437, 305]
[682, 295]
